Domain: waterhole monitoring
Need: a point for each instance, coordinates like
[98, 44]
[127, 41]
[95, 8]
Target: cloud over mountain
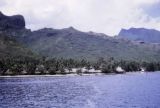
[107, 16]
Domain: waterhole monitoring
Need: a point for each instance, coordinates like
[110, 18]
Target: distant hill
[70, 43]
[141, 34]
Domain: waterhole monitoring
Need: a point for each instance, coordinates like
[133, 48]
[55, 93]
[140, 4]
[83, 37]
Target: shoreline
[70, 75]
[57, 75]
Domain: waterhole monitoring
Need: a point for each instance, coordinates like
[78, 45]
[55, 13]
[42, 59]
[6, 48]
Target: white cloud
[107, 16]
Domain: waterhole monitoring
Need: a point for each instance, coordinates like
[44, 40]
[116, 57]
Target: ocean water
[131, 90]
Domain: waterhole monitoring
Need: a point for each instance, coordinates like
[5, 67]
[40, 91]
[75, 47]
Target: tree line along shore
[54, 66]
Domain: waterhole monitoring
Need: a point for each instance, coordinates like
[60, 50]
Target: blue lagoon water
[131, 90]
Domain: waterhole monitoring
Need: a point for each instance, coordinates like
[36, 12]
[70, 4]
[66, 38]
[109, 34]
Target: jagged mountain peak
[71, 29]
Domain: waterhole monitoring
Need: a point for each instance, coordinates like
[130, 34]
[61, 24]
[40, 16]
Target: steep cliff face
[12, 31]
[11, 22]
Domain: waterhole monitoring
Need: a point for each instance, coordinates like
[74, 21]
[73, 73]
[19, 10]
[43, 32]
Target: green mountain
[69, 43]
[12, 29]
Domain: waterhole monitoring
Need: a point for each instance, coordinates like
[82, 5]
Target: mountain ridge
[72, 43]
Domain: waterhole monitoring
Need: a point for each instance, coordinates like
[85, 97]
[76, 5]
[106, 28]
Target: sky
[102, 16]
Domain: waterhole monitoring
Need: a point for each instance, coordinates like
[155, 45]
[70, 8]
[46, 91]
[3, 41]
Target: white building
[119, 69]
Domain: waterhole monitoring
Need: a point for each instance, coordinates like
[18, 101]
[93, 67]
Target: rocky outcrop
[11, 22]
[141, 34]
